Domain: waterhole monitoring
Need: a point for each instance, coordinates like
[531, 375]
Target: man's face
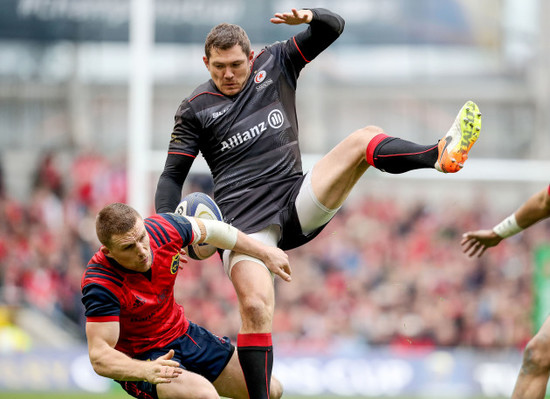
[131, 250]
[229, 69]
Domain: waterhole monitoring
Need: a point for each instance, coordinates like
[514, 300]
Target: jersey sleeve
[100, 303]
[323, 30]
[168, 193]
[170, 228]
[186, 133]
[182, 151]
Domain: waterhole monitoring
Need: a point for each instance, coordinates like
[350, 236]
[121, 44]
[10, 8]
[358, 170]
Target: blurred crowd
[383, 272]
[45, 242]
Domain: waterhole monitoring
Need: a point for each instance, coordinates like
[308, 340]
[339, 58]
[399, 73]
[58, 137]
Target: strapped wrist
[508, 227]
[219, 234]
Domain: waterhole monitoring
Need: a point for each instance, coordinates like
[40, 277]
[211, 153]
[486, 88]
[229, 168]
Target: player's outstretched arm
[476, 242]
[294, 17]
[536, 208]
[225, 236]
[111, 363]
[170, 183]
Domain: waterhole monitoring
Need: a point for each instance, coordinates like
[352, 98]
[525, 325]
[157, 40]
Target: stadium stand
[382, 273]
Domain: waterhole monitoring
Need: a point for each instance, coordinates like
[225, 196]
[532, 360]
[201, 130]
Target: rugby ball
[199, 205]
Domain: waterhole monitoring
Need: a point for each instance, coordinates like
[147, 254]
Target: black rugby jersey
[250, 140]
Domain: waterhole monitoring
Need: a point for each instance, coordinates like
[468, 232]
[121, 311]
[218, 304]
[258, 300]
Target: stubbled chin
[229, 91]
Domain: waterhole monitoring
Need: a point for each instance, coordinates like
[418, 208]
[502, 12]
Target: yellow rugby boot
[454, 147]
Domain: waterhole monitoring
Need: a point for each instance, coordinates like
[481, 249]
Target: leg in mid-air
[535, 368]
[334, 176]
[322, 193]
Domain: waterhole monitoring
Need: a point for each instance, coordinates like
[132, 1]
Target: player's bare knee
[361, 138]
[256, 309]
[537, 355]
[369, 132]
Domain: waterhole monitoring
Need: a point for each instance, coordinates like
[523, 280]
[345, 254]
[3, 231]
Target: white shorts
[311, 214]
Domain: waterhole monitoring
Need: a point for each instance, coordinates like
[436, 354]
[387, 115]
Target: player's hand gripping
[183, 259]
[476, 242]
[276, 261]
[294, 17]
[162, 370]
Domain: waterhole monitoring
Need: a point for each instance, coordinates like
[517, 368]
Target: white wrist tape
[219, 234]
[198, 233]
[508, 227]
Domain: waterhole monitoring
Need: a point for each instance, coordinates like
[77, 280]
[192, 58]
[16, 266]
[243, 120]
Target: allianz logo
[275, 120]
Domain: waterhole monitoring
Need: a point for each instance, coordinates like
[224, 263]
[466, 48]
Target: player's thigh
[254, 287]
[187, 385]
[253, 284]
[270, 236]
[231, 383]
[251, 278]
[334, 175]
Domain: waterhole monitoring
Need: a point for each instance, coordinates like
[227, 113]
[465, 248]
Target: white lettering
[240, 138]
[264, 85]
[217, 114]
[345, 377]
[113, 12]
[225, 146]
[255, 131]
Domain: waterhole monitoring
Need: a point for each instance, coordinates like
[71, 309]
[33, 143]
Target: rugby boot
[454, 147]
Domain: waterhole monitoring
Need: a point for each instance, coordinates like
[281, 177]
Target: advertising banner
[188, 21]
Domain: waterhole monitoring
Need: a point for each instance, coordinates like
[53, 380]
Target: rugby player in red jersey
[137, 334]
[244, 122]
[535, 368]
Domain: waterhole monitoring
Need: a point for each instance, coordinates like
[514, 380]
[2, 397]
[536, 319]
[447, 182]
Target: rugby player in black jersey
[243, 121]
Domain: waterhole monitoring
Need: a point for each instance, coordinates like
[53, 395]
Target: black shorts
[198, 350]
[271, 204]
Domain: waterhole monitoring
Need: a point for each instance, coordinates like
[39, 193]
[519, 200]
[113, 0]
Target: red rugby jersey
[143, 303]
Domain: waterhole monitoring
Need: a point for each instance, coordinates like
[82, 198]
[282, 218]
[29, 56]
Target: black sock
[256, 359]
[394, 155]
